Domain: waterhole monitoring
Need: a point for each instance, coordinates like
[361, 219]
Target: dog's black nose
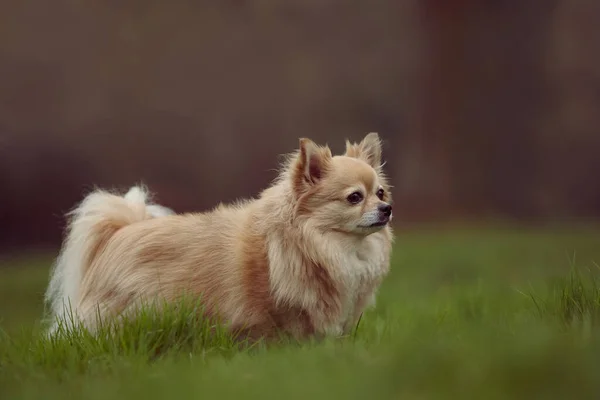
[386, 209]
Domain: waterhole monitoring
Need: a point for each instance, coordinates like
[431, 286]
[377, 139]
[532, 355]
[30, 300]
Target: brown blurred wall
[486, 107]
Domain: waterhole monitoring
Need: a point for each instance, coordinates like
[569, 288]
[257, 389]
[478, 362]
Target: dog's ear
[313, 162]
[369, 150]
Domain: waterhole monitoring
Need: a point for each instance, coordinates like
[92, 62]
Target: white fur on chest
[354, 266]
[362, 264]
[359, 270]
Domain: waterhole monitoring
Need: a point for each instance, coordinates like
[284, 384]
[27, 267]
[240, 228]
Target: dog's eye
[380, 194]
[355, 198]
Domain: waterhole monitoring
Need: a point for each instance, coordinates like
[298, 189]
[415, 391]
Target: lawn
[465, 313]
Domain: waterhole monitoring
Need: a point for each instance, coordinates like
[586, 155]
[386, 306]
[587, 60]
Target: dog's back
[121, 252]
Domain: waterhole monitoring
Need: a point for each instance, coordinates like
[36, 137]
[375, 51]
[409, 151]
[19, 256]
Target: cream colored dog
[305, 258]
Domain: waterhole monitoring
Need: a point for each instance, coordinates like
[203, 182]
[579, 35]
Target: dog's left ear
[369, 150]
[313, 162]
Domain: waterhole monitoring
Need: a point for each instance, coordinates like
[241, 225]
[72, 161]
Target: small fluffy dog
[305, 258]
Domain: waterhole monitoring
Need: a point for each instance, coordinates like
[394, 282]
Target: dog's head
[347, 193]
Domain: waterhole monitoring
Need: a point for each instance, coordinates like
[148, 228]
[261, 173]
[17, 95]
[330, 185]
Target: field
[465, 313]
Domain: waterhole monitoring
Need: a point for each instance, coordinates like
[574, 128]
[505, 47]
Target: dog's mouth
[379, 224]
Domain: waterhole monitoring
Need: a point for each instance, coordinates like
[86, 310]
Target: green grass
[485, 313]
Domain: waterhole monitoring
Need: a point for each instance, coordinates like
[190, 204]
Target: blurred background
[488, 109]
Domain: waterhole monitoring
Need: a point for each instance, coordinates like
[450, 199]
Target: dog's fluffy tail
[91, 224]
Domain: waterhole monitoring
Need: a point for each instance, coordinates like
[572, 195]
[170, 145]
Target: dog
[303, 259]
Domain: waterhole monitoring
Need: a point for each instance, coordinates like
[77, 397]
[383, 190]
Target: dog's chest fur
[359, 272]
[330, 278]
